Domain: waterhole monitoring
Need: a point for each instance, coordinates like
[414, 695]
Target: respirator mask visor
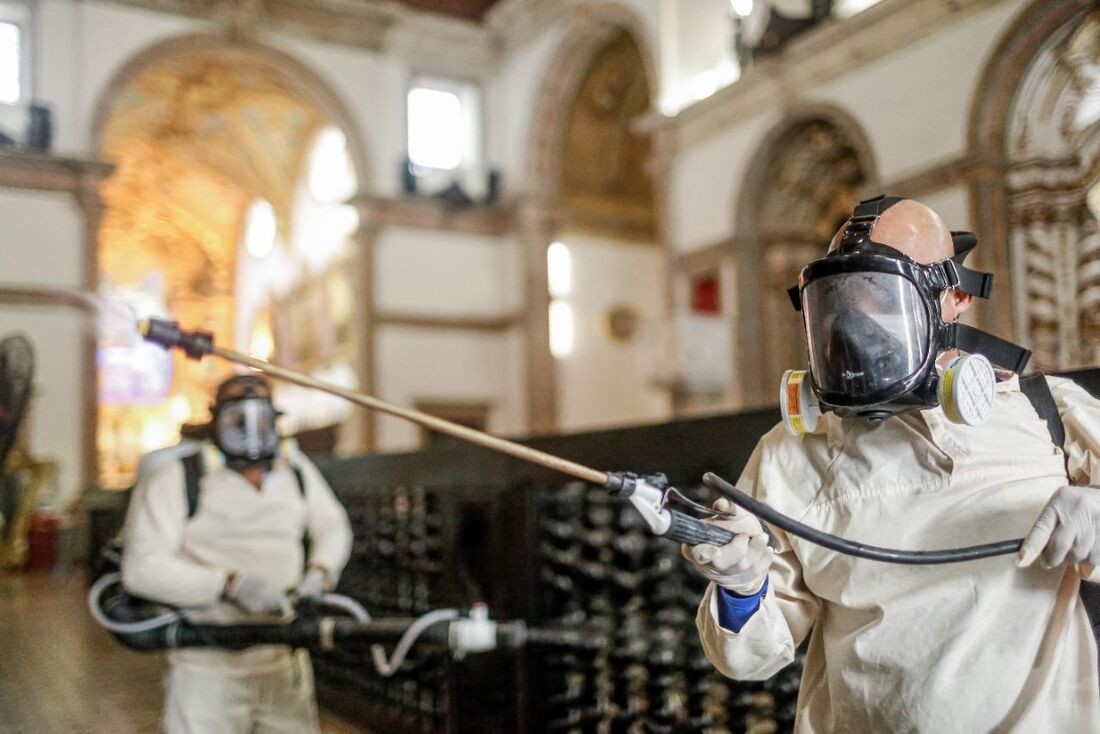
[245, 429]
[869, 334]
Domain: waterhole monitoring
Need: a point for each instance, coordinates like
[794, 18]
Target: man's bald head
[912, 228]
[915, 230]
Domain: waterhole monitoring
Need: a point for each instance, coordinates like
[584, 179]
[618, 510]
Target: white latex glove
[1066, 531]
[742, 564]
[256, 597]
[313, 584]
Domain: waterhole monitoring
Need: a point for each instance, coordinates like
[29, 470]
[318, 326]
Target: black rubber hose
[848, 547]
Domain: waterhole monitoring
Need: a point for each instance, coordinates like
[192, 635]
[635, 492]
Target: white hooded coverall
[185, 563]
[980, 646]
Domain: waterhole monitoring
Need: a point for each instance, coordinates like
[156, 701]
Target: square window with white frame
[11, 62]
[444, 125]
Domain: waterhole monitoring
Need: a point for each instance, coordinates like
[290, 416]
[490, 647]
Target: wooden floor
[60, 673]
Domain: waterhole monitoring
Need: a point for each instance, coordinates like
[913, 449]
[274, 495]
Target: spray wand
[648, 494]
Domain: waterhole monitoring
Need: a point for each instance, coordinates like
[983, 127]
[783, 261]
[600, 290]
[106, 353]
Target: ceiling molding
[426, 213]
[43, 172]
[449, 323]
[430, 41]
[516, 23]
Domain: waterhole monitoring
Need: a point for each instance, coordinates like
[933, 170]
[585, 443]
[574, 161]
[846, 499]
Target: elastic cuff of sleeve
[735, 610]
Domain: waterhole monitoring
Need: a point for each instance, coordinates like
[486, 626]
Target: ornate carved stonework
[1052, 138]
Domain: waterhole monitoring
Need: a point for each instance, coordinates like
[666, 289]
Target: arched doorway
[597, 245]
[216, 148]
[1037, 122]
[800, 188]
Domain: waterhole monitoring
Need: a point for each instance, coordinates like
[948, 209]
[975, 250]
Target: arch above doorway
[592, 27]
[810, 170]
[204, 132]
[295, 75]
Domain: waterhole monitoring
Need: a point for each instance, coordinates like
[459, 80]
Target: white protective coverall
[980, 646]
[185, 563]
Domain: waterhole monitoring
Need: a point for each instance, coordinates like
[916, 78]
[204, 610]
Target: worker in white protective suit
[1001, 644]
[222, 533]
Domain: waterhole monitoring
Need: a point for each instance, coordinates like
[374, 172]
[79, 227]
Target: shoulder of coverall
[1080, 413]
[786, 471]
[164, 485]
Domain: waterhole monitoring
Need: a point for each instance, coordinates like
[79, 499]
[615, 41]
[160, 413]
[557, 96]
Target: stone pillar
[536, 225]
[92, 209]
[363, 424]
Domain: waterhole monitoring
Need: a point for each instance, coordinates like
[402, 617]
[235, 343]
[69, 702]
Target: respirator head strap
[1000, 352]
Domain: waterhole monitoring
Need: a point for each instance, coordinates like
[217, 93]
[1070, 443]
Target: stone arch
[1031, 127]
[299, 78]
[810, 170]
[200, 127]
[591, 26]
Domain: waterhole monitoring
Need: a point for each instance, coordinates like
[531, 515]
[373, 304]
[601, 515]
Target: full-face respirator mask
[875, 334]
[244, 421]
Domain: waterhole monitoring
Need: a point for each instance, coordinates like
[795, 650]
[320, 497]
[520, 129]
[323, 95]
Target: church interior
[568, 223]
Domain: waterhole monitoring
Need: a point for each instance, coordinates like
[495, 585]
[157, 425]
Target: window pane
[561, 329]
[9, 63]
[559, 267]
[331, 179]
[437, 129]
[260, 229]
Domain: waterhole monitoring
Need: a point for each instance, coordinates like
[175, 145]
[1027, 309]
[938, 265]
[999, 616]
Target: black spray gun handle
[647, 494]
[693, 531]
[168, 334]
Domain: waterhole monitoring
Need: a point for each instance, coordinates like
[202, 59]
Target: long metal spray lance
[647, 494]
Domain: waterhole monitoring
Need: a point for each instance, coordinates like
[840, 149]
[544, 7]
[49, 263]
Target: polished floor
[61, 674]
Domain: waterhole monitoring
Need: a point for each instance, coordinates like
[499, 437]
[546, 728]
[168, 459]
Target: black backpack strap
[1000, 352]
[1038, 393]
[301, 479]
[1037, 390]
[192, 477]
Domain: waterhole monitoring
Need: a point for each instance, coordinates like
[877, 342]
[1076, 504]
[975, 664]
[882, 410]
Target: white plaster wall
[418, 364]
[81, 46]
[696, 39]
[56, 427]
[432, 273]
[599, 383]
[42, 244]
[953, 205]
[42, 240]
[510, 99]
[915, 104]
[706, 182]
[373, 88]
